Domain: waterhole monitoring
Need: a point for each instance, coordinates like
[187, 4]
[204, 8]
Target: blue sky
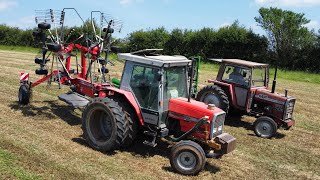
[146, 14]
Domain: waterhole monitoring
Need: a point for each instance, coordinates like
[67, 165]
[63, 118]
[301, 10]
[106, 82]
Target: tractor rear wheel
[265, 127]
[104, 124]
[131, 118]
[24, 94]
[187, 157]
[213, 94]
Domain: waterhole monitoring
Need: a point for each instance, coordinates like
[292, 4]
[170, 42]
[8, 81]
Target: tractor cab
[154, 79]
[245, 78]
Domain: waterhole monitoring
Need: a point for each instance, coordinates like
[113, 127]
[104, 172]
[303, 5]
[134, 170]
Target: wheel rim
[186, 161]
[100, 126]
[211, 98]
[265, 129]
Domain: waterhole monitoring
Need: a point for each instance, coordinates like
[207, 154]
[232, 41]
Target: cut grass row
[44, 140]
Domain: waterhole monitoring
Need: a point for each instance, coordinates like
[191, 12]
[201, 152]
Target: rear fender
[227, 88]
[130, 98]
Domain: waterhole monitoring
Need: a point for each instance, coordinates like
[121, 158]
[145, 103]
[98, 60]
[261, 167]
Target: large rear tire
[213, 94]
[24, 94]
[104, 124]
[132, 120]
[187, 157]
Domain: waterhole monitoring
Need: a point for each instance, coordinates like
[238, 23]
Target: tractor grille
[217, 124]
[289, 109]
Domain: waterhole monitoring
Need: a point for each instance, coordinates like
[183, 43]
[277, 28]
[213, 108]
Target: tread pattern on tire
[120, 121]
[131, 120]
[216, 90]
[26, 94]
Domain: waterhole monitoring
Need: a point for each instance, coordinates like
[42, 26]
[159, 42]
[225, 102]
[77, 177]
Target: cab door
[145, 85]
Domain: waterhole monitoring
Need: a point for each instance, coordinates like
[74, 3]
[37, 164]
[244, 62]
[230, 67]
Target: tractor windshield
[259, 76]
[175, 84]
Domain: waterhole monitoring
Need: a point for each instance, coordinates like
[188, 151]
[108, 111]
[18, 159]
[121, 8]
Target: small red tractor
[241, 87]
[152, 97]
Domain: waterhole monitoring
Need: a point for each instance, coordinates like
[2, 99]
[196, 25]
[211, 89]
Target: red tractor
[241, 87]
[152, 97]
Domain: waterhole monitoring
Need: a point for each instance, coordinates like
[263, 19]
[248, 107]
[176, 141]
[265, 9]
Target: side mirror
[228, 70]
[244, 74]
[159, 75]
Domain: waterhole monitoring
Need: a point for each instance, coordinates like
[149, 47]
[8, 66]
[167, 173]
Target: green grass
[19, 48]
[299, 76]
[8, 166]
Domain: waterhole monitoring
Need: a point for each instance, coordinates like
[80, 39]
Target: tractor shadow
[52, 109]
[236, 121]
[139, 150]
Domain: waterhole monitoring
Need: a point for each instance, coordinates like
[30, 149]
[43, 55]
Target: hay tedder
[152, 98]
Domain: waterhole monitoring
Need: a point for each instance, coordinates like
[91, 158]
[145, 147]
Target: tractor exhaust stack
[274, 82]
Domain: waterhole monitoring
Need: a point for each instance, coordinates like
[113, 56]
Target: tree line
[287, 42]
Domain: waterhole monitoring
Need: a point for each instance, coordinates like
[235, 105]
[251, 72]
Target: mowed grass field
[43, 140]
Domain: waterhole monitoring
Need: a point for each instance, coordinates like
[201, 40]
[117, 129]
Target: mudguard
[130, 98]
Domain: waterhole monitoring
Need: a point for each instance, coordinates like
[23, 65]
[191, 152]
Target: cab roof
[150, 57]
[243, 63]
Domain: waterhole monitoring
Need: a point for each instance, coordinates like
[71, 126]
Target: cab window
[259, 77]
[236, 74]
[145, 86]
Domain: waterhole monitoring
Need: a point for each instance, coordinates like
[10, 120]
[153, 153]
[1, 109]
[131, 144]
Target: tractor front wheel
[213, 94]
[24, 94]
[265, 127]
[187, 157]
[104, 124]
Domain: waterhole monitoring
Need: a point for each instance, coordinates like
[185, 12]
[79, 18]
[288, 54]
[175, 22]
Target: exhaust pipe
[274, 82]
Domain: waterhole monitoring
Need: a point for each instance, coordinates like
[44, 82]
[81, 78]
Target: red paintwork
[130, 98]
[263, 91]
[194, 109]
[231, 90]
[281, 99]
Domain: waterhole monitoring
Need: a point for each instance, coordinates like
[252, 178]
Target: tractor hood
[193, 109]
[268, 96]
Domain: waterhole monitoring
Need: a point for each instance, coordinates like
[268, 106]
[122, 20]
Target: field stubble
[44, 139]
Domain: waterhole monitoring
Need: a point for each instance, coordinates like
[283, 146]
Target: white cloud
[127, 2]
[225, 24]
[7, 4]
[313, 25]
[288, 3]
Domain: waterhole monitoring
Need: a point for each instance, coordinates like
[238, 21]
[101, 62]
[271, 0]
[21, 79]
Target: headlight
[217, 124]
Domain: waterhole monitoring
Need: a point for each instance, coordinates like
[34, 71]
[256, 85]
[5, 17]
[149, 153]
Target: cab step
[152, 138]
[74, 99]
